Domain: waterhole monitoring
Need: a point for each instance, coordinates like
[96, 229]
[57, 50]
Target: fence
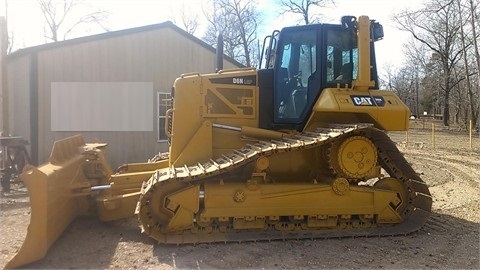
[453, 136]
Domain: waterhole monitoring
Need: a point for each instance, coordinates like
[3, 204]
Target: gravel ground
[449, 239]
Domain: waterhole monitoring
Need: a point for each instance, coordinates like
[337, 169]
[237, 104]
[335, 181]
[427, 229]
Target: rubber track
[391, 160]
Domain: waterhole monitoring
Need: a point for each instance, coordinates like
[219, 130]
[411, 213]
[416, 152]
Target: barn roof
[112, 34]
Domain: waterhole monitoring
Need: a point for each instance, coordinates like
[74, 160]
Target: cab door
[296, 69]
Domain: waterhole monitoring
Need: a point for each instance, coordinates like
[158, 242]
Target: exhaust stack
[219, 55]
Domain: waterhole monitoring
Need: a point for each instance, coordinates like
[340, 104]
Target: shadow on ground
[444, 242]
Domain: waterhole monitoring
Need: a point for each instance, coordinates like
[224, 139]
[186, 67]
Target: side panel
[229, 98]
[345, 106]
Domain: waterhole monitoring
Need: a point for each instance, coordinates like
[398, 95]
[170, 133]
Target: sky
[26, 23]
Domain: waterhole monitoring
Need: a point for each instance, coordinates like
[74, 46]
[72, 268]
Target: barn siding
[18, 74]
[157, 55]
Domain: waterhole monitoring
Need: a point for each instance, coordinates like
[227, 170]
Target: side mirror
[349, 22]
[377, 30]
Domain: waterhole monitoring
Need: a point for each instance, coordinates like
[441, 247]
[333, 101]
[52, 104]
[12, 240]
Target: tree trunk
[446, 109]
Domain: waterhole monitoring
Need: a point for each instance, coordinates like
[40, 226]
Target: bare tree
[304, 8]
[60, 17]
[188, 20]
[474, 21]
[425, 86]
[10, 36]
[237, 20]
[472, 95]
[405, 83]
[437, 26]
[448, 63]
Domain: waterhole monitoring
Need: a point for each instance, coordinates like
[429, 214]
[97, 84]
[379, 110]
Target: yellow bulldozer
[294, 149]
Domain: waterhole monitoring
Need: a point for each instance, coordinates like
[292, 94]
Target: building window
[164, 101]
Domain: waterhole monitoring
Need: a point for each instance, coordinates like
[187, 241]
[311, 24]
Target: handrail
[235, 70]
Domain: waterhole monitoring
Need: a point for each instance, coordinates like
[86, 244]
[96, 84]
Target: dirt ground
[449, 240]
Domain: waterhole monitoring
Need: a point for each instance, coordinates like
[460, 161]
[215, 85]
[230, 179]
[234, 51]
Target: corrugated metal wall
[158, 56]
[18, 73]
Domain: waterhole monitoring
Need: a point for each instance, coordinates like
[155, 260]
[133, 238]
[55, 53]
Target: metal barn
[112, 87]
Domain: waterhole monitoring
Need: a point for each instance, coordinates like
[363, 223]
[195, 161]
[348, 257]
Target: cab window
[341, 57]
[298, 62]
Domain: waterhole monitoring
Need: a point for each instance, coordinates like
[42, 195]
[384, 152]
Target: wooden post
[4, 128]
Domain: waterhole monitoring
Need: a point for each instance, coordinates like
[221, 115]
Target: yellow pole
[470, 133]
[433, 135]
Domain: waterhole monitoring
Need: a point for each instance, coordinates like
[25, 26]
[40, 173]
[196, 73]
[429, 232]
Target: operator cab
[304, 60]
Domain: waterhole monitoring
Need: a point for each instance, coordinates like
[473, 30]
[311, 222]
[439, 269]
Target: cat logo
[368, 101]
[363, 101]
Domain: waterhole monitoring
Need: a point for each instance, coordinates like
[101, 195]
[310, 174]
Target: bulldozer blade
[55, 199]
